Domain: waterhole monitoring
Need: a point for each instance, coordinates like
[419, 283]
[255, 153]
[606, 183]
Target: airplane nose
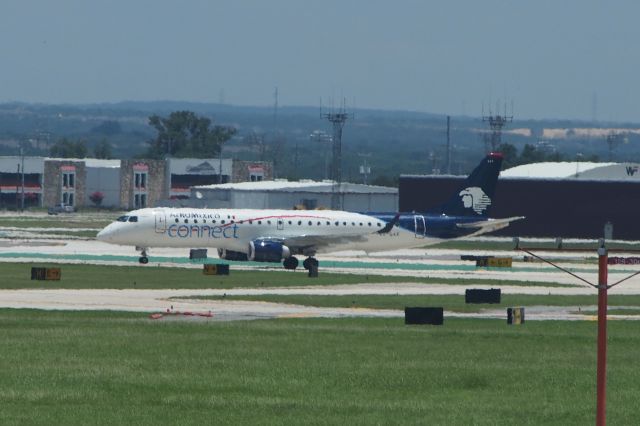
[104, 235]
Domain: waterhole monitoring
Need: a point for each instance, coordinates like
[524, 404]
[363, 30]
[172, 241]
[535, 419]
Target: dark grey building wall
[553, 208]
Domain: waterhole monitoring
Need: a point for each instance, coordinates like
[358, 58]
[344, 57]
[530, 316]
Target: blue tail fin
[475, 196]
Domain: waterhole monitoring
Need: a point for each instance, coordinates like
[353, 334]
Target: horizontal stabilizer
[489, 225]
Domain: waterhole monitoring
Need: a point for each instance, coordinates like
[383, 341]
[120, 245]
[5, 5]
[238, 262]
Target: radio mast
[337, 119]
[496, 123]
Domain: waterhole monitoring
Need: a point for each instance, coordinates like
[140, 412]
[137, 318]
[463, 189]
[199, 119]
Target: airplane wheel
[309, 262]
[290, 263]
[144, 260]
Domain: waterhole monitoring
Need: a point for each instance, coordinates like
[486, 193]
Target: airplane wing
[302, 243]
[489, 225]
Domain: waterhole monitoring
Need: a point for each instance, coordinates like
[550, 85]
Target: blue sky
[552, 58]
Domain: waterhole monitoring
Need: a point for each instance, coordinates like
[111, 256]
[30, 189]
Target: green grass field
[18, 275]
[116, 368]
[78, 368]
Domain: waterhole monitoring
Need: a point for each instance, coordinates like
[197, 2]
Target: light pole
[603, 287]
[22, 179]
[601, 380]
[220, 165]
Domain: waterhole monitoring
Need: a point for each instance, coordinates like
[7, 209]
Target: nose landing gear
[143, 259]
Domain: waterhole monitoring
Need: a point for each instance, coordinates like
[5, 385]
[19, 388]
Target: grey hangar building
[559, 200]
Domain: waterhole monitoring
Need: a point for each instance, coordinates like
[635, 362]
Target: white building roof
[557, 170]
[306, 185]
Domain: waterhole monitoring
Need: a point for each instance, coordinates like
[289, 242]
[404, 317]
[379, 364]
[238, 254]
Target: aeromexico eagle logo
[475, 198]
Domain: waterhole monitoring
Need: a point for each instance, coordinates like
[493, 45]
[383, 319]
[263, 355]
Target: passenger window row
[259, 222]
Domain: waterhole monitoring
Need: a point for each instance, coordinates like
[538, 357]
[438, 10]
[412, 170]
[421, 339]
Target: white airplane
[279, 235]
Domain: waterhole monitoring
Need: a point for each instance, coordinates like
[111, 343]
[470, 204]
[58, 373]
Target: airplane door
[419, 226]
[280, 224]
[161, 222]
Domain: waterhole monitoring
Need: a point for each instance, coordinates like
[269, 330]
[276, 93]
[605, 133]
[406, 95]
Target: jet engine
[232, 255]
[268, 251]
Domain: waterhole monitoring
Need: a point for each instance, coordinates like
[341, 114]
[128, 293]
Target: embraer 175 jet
[280, 235]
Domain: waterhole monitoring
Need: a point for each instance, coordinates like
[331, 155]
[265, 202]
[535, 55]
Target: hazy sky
[554, 59]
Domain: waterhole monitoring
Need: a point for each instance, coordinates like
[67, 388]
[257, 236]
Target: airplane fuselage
[234, 229]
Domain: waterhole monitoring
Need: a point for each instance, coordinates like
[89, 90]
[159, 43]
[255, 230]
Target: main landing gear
[143, 255]
[292, 263]
[310, 262]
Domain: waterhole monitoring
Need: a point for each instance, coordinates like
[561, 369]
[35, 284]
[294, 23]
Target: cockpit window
[122, 218]
[133, 218]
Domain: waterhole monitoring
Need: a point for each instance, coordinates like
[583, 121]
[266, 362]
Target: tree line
[182, 134]
[533, 154]
[66, 148]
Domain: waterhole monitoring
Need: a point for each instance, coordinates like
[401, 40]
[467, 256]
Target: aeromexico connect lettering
[202, 231]
[281, 235]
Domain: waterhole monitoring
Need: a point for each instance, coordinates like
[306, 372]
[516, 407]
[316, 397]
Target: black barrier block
[197, 254]
[38, 273]
[474, 258]
[472, 295]
[222, 269]
[482, 262]
[433, 316]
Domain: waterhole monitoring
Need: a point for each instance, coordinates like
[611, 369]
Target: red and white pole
[601, 418]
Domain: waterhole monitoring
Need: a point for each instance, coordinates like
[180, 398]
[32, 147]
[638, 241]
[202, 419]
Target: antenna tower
[275, 105]
[337, 118]
[448, 145]
[613, 139]
[496, 123]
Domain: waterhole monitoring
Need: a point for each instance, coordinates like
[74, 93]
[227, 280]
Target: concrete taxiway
[434, 263]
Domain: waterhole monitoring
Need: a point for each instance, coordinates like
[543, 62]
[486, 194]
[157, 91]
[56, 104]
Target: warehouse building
[11, 188]
[282, 194]
[124, 184]
[103, 176]
[568, 199]
[183, 173]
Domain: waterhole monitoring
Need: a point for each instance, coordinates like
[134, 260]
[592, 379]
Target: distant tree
[184, 134]
[530, 154]
[103, 150]
[555, 156]
[384, 180]
[593, 158]
[510, 155]
[109, 128]
[96, 198]
[65, 148]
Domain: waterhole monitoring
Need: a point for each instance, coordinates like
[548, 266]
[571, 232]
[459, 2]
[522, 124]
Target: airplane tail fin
[475, 196]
